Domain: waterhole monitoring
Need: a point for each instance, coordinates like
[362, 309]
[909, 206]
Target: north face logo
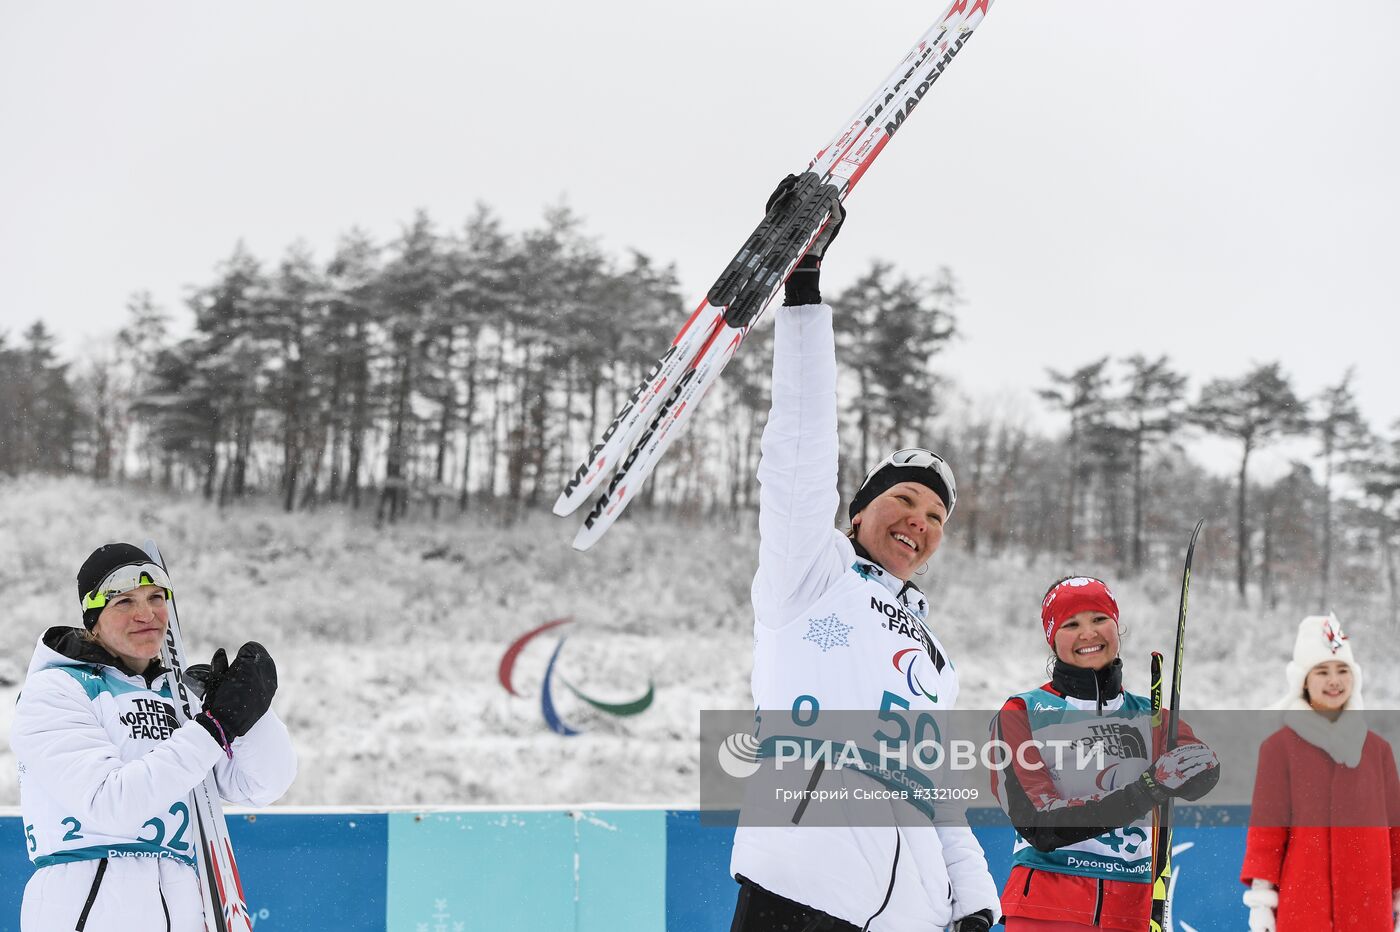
[150, 719]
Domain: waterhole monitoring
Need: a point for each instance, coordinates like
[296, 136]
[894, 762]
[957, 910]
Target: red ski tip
[233, 865]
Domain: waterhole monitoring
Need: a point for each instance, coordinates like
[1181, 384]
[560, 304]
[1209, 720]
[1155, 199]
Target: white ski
[225, 909]
[708, 341]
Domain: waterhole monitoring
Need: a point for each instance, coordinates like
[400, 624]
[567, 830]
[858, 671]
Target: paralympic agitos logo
[907, 668]
[547, 707]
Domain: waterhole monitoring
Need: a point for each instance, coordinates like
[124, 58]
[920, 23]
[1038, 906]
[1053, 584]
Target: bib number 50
[924, 728]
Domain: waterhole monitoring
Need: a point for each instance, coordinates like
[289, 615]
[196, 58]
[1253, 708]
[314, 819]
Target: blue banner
[300, 872]
[551, 870]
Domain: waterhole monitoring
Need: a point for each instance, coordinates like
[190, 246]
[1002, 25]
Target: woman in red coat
[1323, 850]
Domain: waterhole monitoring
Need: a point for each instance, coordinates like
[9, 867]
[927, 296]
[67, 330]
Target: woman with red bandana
[1083, 851]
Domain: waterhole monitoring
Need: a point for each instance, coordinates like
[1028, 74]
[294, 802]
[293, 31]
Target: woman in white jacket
[831, 614]
[106, 772]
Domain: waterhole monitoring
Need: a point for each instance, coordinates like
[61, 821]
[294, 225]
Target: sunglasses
[124, 579]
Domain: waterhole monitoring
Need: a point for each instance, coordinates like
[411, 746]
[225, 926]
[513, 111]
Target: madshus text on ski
[656, 411]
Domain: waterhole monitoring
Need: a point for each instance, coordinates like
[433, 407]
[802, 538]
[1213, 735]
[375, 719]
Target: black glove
[203, 679]
[242, 695]
[804, 284]
[979, 921]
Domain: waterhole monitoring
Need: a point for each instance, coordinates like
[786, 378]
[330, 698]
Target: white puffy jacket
[828, 628]
[105, 781]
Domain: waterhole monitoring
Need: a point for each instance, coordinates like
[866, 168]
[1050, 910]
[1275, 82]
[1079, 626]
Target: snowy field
[388, 641]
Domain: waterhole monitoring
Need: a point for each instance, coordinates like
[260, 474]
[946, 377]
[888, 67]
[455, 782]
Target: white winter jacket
[106, 776]
[836, 631]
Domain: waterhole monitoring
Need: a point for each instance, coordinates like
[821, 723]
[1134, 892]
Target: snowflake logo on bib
[827, 633]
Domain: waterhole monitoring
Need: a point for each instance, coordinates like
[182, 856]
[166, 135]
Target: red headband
[1072, 596]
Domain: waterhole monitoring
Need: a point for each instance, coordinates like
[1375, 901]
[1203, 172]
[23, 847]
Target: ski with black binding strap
[705, 344]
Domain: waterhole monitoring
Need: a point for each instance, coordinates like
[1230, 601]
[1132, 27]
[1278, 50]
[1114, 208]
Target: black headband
[891, 476]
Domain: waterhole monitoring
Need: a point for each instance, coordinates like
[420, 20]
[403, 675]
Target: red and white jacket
[1053, 814]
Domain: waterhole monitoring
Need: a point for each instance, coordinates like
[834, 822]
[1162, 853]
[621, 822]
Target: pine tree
[47, 407]
[353, 305]
[1254, 409]
[412, 288]
[228, 354]
[889, 329]
[1082, 394]
[1342, 434]
[11, 388]
[478, 300]
[1380, 484]
[1153, 407]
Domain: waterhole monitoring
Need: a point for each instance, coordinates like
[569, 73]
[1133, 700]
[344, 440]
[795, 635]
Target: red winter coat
[1327, 835]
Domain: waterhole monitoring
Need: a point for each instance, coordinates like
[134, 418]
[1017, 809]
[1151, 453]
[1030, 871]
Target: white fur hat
[1320, 639]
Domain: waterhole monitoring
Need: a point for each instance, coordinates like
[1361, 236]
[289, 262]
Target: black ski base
[777, 242]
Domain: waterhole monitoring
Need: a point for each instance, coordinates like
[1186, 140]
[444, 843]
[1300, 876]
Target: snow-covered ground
[388, 641]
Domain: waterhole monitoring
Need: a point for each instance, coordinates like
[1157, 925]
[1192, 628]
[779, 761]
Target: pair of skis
[658, 408]
[225, 909]
[1162, 881]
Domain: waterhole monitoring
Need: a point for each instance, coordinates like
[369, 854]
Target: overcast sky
[1211, 180]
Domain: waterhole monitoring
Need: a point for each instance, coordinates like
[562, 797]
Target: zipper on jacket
[1030, 872]
[811, 788]
[1098, 903]
[164, 907]
[92, 896]
[889, 892]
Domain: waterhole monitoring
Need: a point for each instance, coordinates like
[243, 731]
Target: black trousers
[761, 911]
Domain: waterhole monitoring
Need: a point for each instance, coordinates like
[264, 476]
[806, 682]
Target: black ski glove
[980, 921]
[242, 696]
[203, 679]
[804, 284]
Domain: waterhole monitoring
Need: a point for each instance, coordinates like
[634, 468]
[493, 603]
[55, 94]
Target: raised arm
[800, 552]
[798, 548]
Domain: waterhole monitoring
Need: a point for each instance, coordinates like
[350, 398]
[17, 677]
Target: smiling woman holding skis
[1084, 846]
[105, 770]
[822, 638]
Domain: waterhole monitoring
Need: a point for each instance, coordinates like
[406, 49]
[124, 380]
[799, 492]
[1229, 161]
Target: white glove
[1180, 764]
[1262, 900]
[1170, 772]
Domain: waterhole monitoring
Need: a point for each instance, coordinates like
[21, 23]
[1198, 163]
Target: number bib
[1123, 735]
[136, 720]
